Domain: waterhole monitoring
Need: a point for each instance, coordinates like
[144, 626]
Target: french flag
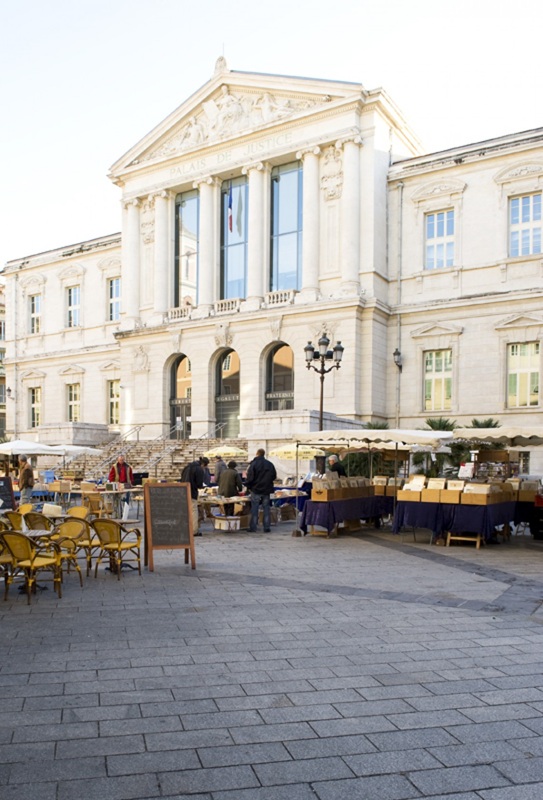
[230, 208]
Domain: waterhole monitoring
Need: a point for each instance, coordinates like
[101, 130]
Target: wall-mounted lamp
[397, 356]
[9, 394]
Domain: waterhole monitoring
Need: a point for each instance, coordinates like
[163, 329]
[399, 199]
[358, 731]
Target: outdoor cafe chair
[118, 544]
[98, 505]
[15, 519]
[25, 508]
[6, 564]
[29, 558]
[35, 521]
[69, 537]
[81, 512]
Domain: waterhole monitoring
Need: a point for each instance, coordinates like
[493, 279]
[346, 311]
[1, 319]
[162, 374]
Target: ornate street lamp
[323, 356]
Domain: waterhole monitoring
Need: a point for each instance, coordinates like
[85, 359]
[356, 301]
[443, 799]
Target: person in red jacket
[121, 472]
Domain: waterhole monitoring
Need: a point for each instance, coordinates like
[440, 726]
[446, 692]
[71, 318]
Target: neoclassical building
[263, 212]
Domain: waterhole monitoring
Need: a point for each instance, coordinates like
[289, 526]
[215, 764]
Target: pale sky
[84, 80]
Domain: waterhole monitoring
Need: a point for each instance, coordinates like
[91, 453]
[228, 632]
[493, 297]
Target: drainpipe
[399, 299]
[15, 355]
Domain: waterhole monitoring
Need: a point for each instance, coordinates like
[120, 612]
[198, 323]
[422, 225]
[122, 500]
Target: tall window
[437, 380]
[439, 239]
[234, 239]
[35, 313]
[34, 402]
[114, 299]
[286, 227]
[280, 379]
[73, 305]
[187, 206]
[2, 330]
[523, 375]
[525, 225]
[113, 402]
[73, 396]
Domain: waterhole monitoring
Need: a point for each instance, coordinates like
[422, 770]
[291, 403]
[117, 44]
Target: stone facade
[109, 358]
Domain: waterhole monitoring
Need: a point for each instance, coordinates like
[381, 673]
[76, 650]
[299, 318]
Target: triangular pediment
[230, 105]
[72, 370]
[33, 374]
[436, 329]
[519, 321]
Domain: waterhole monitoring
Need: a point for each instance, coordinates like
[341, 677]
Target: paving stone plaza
[365, 667]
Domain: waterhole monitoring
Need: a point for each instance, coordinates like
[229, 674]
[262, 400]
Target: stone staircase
[163, 458]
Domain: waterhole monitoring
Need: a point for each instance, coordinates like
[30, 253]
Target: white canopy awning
[509, 436]
[359, 438]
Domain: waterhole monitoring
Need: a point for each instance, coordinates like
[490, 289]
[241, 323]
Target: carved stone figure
[332, 173]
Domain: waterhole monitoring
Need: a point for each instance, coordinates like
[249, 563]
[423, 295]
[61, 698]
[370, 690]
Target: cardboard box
[449, 496]
[226, 523]
[379, 489]
[475, 499]
[408, 496]
[391, 491]
[325, 495]
[430, 495]
[526, 496]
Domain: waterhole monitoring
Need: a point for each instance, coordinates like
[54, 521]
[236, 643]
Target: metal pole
[321, 409]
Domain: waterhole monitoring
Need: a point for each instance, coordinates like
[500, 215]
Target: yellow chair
[69, 537]
[25, 508]
[98, 505]
[81, 512]
[30, 557]
[35, 521]
[89, 543]
[15, 520]
[117, 543]
[6, 563]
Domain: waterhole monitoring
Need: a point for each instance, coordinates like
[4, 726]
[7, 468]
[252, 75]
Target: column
[311, 227]
[208, 246]
[257, 259]
[162, 271]
[131, 263]
[350, 216]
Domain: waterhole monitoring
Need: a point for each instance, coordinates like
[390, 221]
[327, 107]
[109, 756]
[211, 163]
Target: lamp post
[323, 356]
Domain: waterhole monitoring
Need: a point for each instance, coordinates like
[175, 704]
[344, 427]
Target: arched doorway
[280, 379]
[227, 394]
[180, 397]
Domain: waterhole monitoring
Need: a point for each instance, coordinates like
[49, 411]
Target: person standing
[230, 485]
[26, 480]
[193, 474]
[220, 467]
[334, 465]
[121, 472]
[260, 477]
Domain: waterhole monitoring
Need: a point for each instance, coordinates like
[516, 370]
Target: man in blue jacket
[260, 477]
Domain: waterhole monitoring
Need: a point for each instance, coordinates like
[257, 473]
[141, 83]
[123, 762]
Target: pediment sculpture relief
[230, 113]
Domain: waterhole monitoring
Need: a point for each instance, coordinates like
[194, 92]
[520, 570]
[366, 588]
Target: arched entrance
[180, 397]
[227, 394]
[280, 379]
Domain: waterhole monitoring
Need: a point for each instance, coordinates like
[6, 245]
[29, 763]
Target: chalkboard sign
[168, 520]
[6, 495]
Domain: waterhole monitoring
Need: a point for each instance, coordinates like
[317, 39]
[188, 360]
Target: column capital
[209, 180]
[308, 151]
[354, 138]
[259, 166]
[165, 194]
[135, 202]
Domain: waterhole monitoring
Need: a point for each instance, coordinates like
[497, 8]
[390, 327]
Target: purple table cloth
[328, 515]
[456, 518]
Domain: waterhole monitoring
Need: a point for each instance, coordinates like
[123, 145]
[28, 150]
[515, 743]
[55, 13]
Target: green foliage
[489, 422]
[440, 424]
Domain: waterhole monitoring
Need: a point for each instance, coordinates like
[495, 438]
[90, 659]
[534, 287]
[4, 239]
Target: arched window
[280, 379]
[180, 397]
[227, 394]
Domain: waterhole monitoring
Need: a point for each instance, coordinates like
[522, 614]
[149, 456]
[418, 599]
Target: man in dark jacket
[193, 474]
[230, 485]
[260, 477]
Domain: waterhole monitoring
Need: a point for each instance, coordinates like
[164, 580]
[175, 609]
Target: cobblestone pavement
[282, 668]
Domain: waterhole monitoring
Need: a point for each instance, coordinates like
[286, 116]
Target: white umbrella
[77, 450]
[352, 438]
[19, 446]
[227, 451]
[510, 436]
[293, 451]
